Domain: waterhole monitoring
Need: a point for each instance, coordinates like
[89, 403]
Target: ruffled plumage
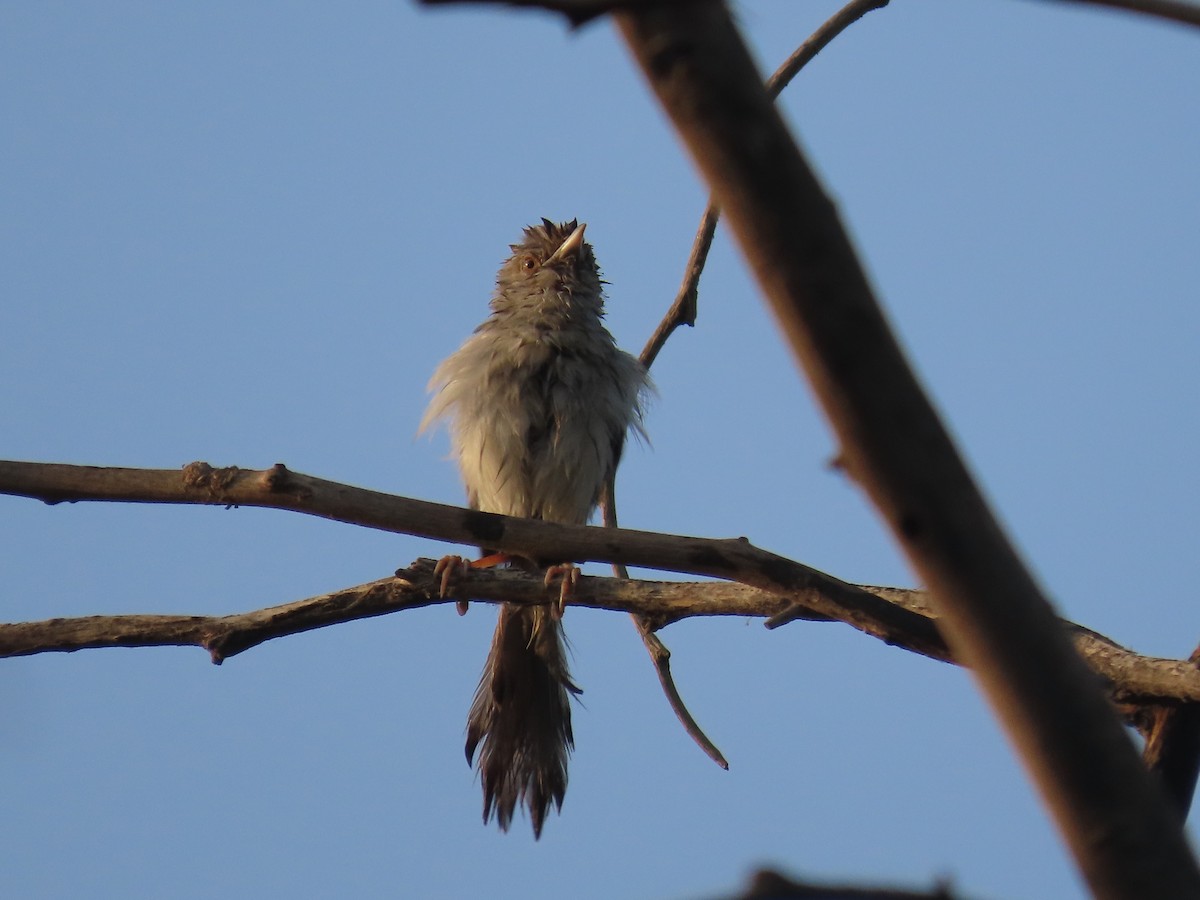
[539, 401]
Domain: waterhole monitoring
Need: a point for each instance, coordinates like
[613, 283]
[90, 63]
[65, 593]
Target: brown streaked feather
[520, 720]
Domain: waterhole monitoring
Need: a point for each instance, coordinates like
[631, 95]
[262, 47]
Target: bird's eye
[528, 263]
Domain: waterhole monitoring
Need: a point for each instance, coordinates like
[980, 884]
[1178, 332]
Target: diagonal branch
[1124, 837]
[1182, 11]
[683, 312]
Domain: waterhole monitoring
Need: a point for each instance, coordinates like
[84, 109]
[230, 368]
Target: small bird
[539, 401]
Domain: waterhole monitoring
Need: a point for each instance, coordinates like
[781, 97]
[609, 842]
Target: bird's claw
[569, 574]
[451, 569]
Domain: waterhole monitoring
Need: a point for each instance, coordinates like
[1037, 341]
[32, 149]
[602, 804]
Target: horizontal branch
[770, 586]
[1131, 677]
[732, 559]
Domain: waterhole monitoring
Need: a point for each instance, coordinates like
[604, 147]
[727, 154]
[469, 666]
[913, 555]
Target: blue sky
[248, 233]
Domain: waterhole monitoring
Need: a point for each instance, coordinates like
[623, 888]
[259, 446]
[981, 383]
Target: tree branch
[771, 586]
[1124, 837]
[1181, 11]
[770, 885]
[660, 654]
[734, 559]
[683, 312]
[1133, 679]
[1173, 748]
[579, 12]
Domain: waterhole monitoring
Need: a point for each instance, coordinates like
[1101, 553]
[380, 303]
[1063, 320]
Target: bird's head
[552, 272]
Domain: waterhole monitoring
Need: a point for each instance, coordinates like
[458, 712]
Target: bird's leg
[452, 568]
[569, 573]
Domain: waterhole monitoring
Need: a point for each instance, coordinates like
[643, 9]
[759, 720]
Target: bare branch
[769, 885]
[683, 309]
[1180, 11]
[735, 559]
[1124, 837]
[787, 590]
[820, 39]
[683, 312]
[660, 654]
[221, 636]
[1133, 679]
[1173, 748]
[578, 12]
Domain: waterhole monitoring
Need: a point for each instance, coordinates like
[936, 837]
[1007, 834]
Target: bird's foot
[569, 573]
[452, 569]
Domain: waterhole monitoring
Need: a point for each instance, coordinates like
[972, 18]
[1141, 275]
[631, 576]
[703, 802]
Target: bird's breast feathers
[538, 418]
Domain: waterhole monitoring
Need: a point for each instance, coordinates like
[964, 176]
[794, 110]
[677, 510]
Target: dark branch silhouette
[682, 311]
[1125, 838]
[579, 12]
[1184, 12]
[1172, 751]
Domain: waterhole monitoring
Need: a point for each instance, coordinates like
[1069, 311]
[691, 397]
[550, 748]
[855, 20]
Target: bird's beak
[569, 247]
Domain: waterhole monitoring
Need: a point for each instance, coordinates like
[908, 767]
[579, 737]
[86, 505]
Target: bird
[539, 401]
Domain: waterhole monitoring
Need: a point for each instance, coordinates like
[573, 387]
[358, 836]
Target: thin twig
[660, 654]
[818, 41]
[1172, 10]
[683, 312]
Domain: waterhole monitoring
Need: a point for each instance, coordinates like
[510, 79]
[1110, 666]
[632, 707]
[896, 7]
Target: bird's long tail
[521, 717]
